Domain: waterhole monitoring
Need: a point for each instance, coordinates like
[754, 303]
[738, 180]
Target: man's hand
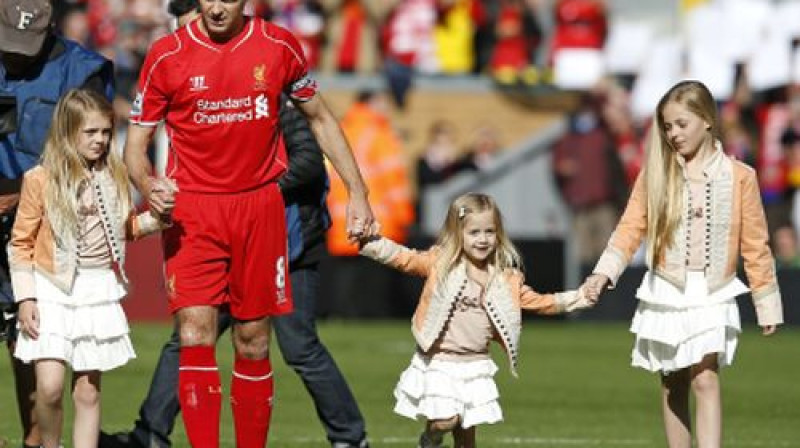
[360, 221]
[162, 197]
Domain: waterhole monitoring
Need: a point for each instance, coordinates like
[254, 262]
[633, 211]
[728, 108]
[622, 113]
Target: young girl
[699, 211]
[473, 294]
[66, 256]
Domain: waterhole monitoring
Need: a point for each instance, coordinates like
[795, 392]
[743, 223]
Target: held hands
[593, 286]
[579, 301]
[161, 197]
[28, 318]
[361, 224]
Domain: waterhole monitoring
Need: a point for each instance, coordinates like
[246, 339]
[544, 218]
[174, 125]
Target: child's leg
[49, 392]
[435, 430]
[464, 438]
[25, 388]
[86, 399]
[675, 409]
[708, 402]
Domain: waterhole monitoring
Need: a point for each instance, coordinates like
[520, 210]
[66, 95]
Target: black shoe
[117, 440]
[361, 444]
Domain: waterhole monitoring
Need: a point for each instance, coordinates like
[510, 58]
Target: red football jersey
[221, 102]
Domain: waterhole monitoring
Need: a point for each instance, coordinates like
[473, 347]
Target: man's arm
[160, 198]
[360, 221]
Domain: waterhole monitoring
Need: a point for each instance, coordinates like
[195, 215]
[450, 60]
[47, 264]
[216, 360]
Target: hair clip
[462, 211]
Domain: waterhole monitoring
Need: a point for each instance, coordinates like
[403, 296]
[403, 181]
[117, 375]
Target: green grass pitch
[576, 389]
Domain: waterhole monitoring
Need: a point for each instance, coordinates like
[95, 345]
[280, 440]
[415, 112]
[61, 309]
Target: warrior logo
[198, 83]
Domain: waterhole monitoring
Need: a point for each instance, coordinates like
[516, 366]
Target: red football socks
[200, 395]
[252, 387]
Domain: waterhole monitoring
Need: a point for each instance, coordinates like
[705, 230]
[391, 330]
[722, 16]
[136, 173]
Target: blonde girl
[699, 210]
[473, 294]
[66, 256]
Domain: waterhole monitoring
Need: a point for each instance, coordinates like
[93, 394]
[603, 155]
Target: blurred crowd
[398, 38]
[521, 43]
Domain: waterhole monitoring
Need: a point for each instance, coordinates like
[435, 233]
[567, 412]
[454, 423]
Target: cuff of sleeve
[768, 306]
[568, 301]
[23, 284]
[149, 224]
[611, 264]
[380, 249]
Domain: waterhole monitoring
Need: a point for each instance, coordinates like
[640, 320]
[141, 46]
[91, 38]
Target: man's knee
[251, 338]
[197, 326]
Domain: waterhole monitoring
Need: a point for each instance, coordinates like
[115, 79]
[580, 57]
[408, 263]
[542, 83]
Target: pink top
[696, 255]
[468, 331]
[93, 248]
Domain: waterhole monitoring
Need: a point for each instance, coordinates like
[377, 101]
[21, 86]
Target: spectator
[306, 20]
[578, 24]
[441, 157]
[351, 39]
[407, 45]
[37, 68]
[380, 154]
[73, 23]
[485, 146]
[583, 165]
[381, 157]
[616, 115]
[785, 244]
[514, 35]
[454, 35]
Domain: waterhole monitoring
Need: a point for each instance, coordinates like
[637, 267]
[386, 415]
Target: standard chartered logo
[262, 107]
[231, 110]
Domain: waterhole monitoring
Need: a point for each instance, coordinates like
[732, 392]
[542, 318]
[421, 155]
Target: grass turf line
[576, 388]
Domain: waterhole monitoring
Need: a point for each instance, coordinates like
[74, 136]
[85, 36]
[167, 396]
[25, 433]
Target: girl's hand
[594, 285]
[769, 330]
[28, 317]
[366, 239]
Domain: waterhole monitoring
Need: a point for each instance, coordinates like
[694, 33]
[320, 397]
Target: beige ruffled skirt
[676, 329]
[438, 389]
[87, 328]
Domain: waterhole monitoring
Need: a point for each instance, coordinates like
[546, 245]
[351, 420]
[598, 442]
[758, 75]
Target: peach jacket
[33, 246]
[506, 295]
[735, 224]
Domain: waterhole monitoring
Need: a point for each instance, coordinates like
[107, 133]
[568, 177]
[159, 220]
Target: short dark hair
[180, 7]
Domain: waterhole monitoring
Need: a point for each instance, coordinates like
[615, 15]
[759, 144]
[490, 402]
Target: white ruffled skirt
[87, 328]
[675, 329]
[438, 389]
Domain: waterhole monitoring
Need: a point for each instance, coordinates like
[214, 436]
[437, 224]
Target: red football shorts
[229, 249]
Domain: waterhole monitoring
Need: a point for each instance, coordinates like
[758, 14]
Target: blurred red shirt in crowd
[579, 24]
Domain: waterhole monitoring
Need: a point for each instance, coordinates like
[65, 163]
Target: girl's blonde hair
[663, 175]
[68, 170]
[451, 237]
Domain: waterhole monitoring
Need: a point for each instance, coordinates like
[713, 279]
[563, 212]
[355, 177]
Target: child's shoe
[430, 441]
